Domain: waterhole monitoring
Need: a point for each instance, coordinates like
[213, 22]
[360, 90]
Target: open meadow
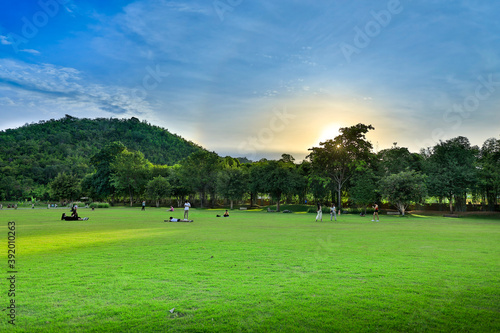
[125, 270]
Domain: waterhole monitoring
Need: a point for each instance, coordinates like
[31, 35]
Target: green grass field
[125, 269]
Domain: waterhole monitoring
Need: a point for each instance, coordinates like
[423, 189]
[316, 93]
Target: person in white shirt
[187, 205]
[333, 212]
[320, 213]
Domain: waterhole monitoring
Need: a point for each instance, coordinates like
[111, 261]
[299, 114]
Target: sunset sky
[258, 78]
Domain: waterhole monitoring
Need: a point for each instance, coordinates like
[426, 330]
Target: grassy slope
[123, 270]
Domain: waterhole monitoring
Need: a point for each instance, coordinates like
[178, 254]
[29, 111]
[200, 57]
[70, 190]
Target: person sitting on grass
[73, 210]
[73, 217]
[226, 214]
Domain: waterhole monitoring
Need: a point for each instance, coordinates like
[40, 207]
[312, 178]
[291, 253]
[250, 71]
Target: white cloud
[47, 85]
[4, 40]
[6, 101]
[35, 52]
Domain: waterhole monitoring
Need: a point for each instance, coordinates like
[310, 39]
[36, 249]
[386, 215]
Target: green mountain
[34, 154]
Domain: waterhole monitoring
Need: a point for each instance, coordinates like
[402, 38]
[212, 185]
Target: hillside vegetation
[35, 154]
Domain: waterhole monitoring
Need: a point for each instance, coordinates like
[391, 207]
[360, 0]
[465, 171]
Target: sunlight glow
[329, 132]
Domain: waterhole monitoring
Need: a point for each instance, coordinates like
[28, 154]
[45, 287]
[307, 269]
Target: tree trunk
[338, 193]
[492, 200]
[213, 199]
[157, 203]
[231, 204]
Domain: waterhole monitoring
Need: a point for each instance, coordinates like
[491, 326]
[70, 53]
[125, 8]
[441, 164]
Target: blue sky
[258, 78]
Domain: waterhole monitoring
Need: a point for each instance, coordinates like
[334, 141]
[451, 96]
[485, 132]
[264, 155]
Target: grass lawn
[125, 269]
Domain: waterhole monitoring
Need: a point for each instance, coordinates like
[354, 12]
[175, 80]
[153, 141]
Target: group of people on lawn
[333, 213]
[319, 211]
[187, 205]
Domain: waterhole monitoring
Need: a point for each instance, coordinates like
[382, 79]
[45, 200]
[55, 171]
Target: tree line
[344, 170]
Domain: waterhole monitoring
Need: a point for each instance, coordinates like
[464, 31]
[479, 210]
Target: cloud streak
[65, 88]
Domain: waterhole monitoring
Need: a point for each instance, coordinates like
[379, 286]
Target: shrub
[324, 209]
[292, 208]
[99, 205]
[357, 210]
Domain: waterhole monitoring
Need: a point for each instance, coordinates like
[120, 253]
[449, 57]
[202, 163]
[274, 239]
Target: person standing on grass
[319, 216]
[375, 206]
[333, 212]
[143, 205]
[187, 205]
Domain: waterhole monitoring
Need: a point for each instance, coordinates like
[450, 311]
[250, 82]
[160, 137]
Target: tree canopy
[451, 170]
[130, 161]
[337, 159]
[403, 189]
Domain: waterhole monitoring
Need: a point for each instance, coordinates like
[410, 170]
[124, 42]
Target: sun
[329, 132]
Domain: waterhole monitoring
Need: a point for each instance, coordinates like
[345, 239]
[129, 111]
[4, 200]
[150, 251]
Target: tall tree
[278, 178]
[489, 171]
[404, 188]
[397, 159]
[256, 182]
[199, 171]
[304, 170]
[158, 188]
[232, 183]
[450, 166]
[65, 187]
[363, 191]
[318, 187]
[180, 188]
[337, 159]
[100, 185]
[130, 171]
[298, 182]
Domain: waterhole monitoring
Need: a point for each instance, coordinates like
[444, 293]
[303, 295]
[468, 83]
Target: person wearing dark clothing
[73, 217]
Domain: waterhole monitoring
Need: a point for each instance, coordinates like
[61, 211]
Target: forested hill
[40, 151]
